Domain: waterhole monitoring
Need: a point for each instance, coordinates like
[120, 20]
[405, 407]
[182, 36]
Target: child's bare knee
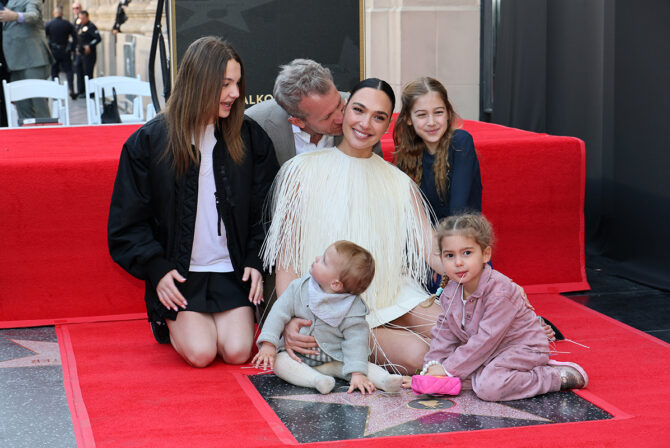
[200, 357]
[236, 354]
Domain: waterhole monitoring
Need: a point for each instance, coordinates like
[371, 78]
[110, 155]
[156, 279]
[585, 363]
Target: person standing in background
[87, 39]
[76, 9]
[24, 44]
[61, 36]
[121, 16]
[4, 75]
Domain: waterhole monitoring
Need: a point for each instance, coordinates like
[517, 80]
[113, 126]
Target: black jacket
[87, 35]
[152, 213]
[59, 33]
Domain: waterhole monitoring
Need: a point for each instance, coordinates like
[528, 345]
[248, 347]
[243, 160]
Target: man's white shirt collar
[302, 143]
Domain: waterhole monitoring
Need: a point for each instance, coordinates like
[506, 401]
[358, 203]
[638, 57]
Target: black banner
[269, 33]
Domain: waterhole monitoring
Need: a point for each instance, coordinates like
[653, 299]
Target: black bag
[110, 111]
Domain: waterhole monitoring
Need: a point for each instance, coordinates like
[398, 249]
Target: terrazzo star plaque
[312, 417]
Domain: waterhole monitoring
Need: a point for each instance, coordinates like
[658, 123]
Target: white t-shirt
[302, 143]
[210, 251]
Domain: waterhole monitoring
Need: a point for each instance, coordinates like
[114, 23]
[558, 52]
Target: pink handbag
[436, 385]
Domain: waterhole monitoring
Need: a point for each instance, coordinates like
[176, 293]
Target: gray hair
[298, 79]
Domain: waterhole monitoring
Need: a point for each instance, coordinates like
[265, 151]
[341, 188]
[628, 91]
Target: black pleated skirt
[212, 292]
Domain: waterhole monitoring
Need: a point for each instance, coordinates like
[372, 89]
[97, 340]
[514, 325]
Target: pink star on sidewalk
[45, 354]
[389, 410]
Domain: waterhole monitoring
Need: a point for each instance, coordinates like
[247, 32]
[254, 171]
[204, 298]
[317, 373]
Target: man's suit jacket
[25, 44]
[274, 120]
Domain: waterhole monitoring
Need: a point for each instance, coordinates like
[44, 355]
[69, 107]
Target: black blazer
[152, 213]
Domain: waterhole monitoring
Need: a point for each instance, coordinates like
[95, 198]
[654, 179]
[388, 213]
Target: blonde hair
[357, 267]
[470, 225]
[410, 147]
[195, 101]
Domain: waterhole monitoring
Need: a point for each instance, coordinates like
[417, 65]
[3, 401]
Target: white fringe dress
[324, 196]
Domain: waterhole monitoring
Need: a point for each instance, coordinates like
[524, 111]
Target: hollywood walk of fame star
[230, 14]
[389, 410]
[45, 354]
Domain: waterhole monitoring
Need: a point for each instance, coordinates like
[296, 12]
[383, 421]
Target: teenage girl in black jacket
[186, 209]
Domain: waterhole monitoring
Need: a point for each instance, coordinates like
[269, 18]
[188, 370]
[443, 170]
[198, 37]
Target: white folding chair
[37, 88]
[124, 86]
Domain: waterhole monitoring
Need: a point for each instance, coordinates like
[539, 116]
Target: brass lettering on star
[250, 100]
[431, 403]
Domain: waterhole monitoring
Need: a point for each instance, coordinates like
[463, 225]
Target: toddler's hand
[406, 382]
[362, 383]
[265, 358]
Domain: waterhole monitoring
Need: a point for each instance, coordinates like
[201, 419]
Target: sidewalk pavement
[77, 111]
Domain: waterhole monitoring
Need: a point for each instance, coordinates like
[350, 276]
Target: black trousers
[63, 64]
[83, 66]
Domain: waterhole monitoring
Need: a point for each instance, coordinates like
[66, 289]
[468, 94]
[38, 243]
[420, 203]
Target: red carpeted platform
[125, 390]
[56, 183]
[533, 193]
[55, 188]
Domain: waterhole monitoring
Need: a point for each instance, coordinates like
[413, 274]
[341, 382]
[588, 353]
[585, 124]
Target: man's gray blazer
[25, 44]
[274, 120]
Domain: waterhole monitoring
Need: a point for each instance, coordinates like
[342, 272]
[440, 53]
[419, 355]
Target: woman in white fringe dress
[347, 192]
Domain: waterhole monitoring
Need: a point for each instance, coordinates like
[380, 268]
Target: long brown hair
[410, 147]
[195, 100]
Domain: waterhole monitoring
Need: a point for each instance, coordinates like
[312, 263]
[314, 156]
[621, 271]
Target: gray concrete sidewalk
[77, 111]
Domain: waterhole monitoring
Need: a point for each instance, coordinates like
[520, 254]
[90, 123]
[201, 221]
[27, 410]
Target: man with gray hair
[306, 112]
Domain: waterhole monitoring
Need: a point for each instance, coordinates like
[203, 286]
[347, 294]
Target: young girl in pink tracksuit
[486, 332]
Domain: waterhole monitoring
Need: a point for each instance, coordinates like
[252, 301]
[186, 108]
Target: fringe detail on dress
[324, 196]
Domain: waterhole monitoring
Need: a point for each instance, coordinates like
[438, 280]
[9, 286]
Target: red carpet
[56, 185]
[126, 390]
[138, 393]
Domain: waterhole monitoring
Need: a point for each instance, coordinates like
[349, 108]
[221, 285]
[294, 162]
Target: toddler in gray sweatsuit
[329, 296]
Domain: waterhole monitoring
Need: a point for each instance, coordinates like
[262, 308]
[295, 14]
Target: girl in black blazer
[186, 209]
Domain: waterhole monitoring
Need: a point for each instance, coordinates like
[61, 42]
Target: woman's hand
[294, 341]
[168, 294]
[256, 289]
[362, 383]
